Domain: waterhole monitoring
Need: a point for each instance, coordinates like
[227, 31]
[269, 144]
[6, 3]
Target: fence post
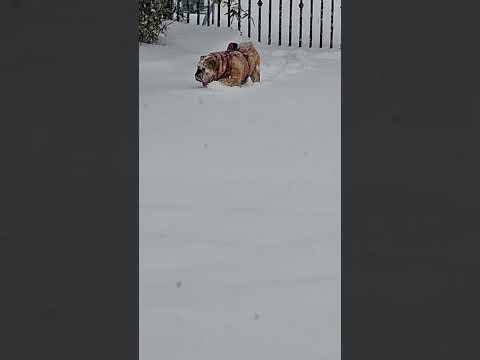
[239, 15]
[218, 13]
[311, 24]
[188, 12]
[290, 25]
[198, 12]
[321, 24]
[331, 26]
[228, 13]
[269, 22]
[301, 24]
[259, 3]
[249, 16]
[208, 12]
[280, 23]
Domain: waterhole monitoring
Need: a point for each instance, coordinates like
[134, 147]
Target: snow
[239, 204]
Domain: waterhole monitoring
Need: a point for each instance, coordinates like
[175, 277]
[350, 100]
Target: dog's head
[207, 68]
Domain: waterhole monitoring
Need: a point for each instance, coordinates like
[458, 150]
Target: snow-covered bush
[153, 19]
[236, 11]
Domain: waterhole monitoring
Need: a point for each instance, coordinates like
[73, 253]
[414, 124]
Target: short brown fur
[242, 63]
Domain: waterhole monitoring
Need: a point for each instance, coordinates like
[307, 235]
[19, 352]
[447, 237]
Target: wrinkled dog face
[205, 70]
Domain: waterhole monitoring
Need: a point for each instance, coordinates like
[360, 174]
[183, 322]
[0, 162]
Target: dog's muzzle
[199, 78]
[198, 75]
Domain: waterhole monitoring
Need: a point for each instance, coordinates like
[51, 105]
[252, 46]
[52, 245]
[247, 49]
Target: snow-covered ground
[239, 205]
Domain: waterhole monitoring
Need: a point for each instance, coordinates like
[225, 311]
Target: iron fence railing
[209, 13]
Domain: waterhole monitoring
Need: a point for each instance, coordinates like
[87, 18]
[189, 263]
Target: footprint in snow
[179, 283]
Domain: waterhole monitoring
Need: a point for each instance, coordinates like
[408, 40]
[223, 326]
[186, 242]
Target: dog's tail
[236, 46]
[232, 46]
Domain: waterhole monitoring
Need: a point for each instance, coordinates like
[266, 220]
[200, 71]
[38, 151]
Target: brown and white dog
[232, 67]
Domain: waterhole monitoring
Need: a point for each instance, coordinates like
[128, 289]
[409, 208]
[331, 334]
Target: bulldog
[232, 67]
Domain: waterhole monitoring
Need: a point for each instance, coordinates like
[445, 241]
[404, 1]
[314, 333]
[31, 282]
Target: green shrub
[152, 15]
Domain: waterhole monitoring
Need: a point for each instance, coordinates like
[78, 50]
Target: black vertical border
[410, 180]
[69, 165]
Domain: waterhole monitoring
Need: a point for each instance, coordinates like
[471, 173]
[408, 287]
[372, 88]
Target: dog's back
[240, 46]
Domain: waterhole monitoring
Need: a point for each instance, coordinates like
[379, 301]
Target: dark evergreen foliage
[152, 15]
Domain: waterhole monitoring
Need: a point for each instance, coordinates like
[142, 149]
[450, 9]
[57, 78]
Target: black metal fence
[209, 13]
